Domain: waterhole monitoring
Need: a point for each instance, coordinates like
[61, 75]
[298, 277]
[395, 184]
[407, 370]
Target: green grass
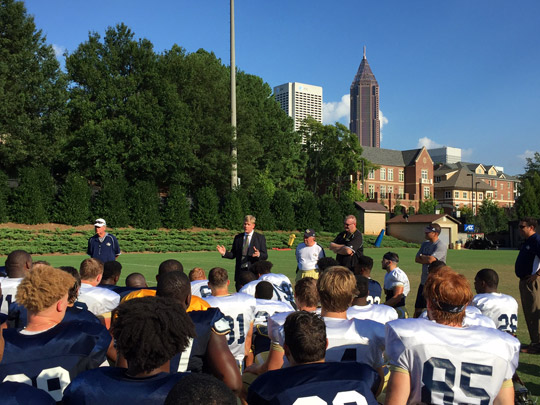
[467, 262]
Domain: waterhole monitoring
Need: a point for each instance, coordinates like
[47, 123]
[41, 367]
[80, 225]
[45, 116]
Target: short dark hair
[15, 263]
[362, 286]
[262, 267]
[488, 276]
[363, 263]
[305, 336]
[111, 269]
[218, 277]
[200, 389]
[170, 265]
[244, 277]
[73, 292]
[324, 262]
[305, 290]
[149, 331]
[135, 280]
[436, 265]
[264, 290]
[393, 257]
[530, 221]
[174, 285]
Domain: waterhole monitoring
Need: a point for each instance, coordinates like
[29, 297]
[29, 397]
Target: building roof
[421, 219]
[390, 157]
[364, 72]
[471, 167]
[461, 180]
[371, 207]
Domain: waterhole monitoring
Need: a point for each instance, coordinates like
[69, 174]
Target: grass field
[467, 262]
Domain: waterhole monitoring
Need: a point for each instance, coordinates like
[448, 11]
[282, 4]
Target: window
[508, 185]
[371, 174]
[437, 179]
[474, 195]
[502, 186]
[509, 198]
[390, 174]
[401, 193]
[489, 182]
[447, 195]
[383, 173]
[465, 194]
[390, 191]
[495, 193]
[494, 183]
[424, 174]
[456, 194]
[426, 192]
[480, 196]
[489, 194]
[383, 192]
[401, 175]
[371, 191]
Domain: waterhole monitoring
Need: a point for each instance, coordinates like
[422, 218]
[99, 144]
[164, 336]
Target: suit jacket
[257, 240]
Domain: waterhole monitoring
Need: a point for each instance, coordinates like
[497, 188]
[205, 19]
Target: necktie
[245, 245]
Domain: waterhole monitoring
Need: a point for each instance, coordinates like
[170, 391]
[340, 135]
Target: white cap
[100, 222]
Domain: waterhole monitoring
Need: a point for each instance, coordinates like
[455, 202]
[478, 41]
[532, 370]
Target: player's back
[501, 308]
[200, 288]
[374, 292]
[239, 310]
[9, 290]
[282, 286]
[465, 365]
[377, 313]
[357, 340]
[99, 300]
[266, 308]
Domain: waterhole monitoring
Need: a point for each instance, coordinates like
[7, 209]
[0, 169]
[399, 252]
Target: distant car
[481, 244]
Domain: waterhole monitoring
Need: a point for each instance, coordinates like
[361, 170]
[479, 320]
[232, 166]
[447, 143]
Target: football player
[363, 267]
[501, 308]
[283, 290]
[100, 301]
[49, 354]
[147, 332]
[396, 284]
[310, 379]
[200, 389]
[443, 361]
[18, 265]
[199, 283]
[361, 309]
[239, 310]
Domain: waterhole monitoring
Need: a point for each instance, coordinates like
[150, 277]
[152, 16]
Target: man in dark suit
[247, 248]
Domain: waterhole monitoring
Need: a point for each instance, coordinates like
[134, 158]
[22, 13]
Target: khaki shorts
[300, 274]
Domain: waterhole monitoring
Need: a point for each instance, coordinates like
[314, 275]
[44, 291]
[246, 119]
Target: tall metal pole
[234, 168]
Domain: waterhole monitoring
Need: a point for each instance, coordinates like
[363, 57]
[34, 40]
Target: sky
[459, 73]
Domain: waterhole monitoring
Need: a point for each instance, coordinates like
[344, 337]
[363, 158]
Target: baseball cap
[433, 228]
[309, 232]
[100, 222]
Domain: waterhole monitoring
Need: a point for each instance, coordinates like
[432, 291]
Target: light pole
[476, 194]
[234, 168]
[472, 191]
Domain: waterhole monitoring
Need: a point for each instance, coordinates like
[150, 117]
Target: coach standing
[528, 270]
[348, 245]
[248, 247]
[103, 246]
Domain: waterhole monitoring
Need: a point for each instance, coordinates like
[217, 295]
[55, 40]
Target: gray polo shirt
[436, 249]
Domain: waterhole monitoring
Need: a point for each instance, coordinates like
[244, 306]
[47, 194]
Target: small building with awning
[411, 228]
[372, 216]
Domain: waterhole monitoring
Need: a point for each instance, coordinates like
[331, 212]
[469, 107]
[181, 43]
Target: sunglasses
[523, 226]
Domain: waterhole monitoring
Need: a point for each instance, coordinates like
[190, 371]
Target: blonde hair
[250, 218]
[337, 288]
[43, 287]
[90, 269]
[196, 273]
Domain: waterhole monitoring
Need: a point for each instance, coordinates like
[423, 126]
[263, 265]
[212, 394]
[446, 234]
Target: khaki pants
[300, 274]
[530, 301]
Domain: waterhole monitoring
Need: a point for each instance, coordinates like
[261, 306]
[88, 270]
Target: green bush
[33, 199]
[307, 212]
[283, 210]
[260, 208]
[331, 215]
[144, 205]
[232, 212]
[73, 206]
[176, 209]
[206, 208]
[4, 195]
[111, 203]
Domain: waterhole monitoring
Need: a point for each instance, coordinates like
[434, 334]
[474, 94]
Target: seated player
[324, 262]
[199, 283]
[100, 301]
[239, 310]
[48, 354]
[363, 268]
[209, 351]
[111, 274]
[444, 362]
[136, 281]
[148, 332]
[18, 265]
[309, 379]
[396, 284]
[502, 309]
[360, 308]
[283, 290]
[200, 389]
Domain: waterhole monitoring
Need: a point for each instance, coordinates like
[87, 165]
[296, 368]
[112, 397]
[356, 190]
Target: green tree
[331, 215]
[283, 210]
[206, 208]
[232, 213]
[144, 204]
[111, 202]
[307, 212]
[528, 203]
[32, 92]
[73, 206]
[176, 211]
[5, 192]
[33, 198]
[491, 217]
[427, 206]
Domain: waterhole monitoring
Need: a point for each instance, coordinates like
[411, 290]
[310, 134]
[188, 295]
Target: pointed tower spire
[364, 52]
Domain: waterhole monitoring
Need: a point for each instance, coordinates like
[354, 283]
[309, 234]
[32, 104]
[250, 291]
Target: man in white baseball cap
[103, 246]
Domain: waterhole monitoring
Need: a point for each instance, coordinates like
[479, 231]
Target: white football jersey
[397, 278]
[239, 309]
[449, 365]
[359, 340]
[266, 308]
[283, 290]
[377, 313]
[99, 300]
[473, 317]
[501, 308]
[9, 290]
[200, 288]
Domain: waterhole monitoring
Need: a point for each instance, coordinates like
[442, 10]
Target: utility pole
[234, 153]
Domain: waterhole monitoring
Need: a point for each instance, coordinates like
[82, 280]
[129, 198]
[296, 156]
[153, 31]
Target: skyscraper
[365, 106]
[300, 101]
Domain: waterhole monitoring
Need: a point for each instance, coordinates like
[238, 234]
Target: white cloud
[59, 51]
[428, 143]
[527, 154]
[382, 122]
[337, 111]
[467, 155]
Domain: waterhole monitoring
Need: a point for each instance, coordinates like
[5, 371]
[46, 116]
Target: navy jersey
[374, 292]
[193, 358]
[316, 383]
[13, 393]
[50, 360]
[18, 316]
[111, 385]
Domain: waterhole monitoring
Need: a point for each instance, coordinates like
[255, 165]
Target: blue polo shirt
[528, 254]
[105, 251]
